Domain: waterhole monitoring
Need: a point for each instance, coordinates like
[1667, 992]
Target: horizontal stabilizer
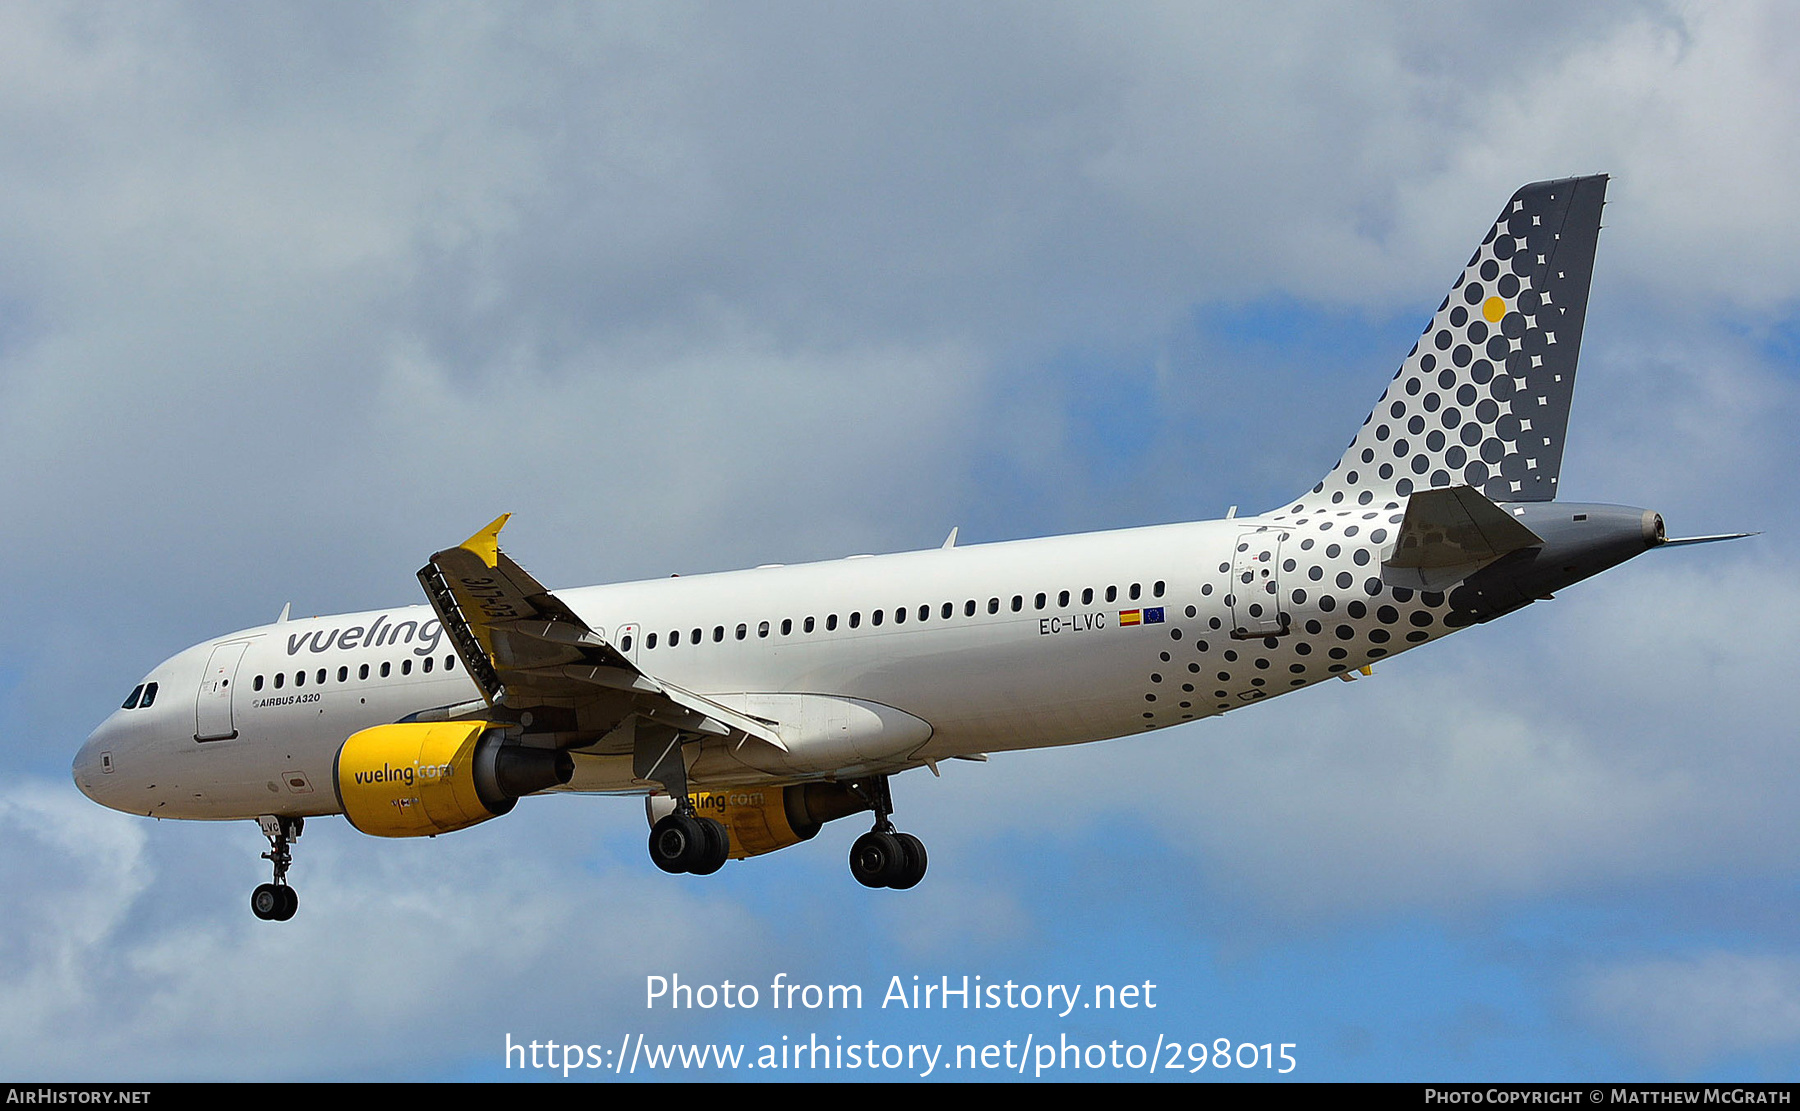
[1457, 527]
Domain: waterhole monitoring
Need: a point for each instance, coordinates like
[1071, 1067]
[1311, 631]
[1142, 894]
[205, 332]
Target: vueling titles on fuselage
[383, 632]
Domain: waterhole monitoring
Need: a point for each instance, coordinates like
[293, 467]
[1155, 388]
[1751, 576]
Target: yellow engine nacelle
[423, 779]
[763, 819]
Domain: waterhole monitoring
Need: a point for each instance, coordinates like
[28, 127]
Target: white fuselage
[1015, 645]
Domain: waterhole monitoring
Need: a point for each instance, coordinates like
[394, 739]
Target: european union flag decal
[1153, 616]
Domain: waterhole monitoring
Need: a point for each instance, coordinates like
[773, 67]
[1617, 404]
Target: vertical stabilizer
[1483, 398]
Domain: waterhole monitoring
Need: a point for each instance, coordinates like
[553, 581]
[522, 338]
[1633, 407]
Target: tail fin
[1483, 397]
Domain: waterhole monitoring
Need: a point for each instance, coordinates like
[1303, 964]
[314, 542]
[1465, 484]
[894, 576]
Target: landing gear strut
[679, 842]
[277, 901]
[885, 857]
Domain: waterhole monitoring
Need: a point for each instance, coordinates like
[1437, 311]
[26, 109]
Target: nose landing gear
[276, 901]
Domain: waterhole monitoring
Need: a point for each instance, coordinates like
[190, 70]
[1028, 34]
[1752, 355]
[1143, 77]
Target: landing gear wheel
[877, 859]
[678, 843]
[276, 902]
[913, 867]
[717, 843]
[267, 902]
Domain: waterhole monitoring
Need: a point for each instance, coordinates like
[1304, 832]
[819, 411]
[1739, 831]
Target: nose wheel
[273, 903]
[277, 902]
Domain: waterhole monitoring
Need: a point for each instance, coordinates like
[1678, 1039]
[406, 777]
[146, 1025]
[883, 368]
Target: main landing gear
[277, 901]
[681, 842]
[884, 857]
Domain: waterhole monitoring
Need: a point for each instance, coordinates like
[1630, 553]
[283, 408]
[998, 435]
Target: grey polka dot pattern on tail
[1483, 398]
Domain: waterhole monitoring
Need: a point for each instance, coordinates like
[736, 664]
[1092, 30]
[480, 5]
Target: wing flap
[525, 648]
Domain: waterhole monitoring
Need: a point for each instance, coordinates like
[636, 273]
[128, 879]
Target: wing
[529, 652]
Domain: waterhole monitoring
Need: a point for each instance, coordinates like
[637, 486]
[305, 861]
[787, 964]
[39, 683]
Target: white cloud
[1688, 1013]
[417, 952]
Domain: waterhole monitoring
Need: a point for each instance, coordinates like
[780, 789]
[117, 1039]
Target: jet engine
[763, 819]
[423, 779]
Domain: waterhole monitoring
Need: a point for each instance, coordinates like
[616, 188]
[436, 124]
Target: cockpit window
[149, 695]
[131, 700]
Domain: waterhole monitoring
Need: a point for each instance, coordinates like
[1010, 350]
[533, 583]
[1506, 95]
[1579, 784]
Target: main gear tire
[717, 846]
[877, 859]
[677, 843]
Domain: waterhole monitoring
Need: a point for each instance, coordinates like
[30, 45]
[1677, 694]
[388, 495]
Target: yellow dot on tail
[1493, 308]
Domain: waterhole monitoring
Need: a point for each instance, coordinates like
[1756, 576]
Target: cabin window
[449, 663]
[1087, 596]
[742, 630]
[361, 673]
[993, 605]
[969, 608]
[762, 629]
[855, 618]
[343, 674]
[321, 676]
[427, 665]
[299, 678]
[675, 638]
[1040, 600]
[280, 678]
[131, 700]
[696, 637]
[718, 633]
[831, 623]
[899, 615]
[1062, 599]
[808, 625]
[1157, 590]
[406, 667]
[787, 626]
[1136, 590]
[257, 684]
[625, 643]
[1112, 593]
[649, 640]
[925, 612]
[386, 668]
[949, 610]
[1018, 603]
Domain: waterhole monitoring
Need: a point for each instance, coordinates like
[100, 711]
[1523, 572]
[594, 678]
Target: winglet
[951, 541]
[485, 545]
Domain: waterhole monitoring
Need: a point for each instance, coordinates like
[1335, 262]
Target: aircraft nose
[93, 765]
[86, 768]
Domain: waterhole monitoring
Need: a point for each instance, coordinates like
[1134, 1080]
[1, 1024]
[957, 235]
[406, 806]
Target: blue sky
[293, 295]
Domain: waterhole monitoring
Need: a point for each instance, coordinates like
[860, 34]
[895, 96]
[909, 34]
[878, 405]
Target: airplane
[751, 707]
